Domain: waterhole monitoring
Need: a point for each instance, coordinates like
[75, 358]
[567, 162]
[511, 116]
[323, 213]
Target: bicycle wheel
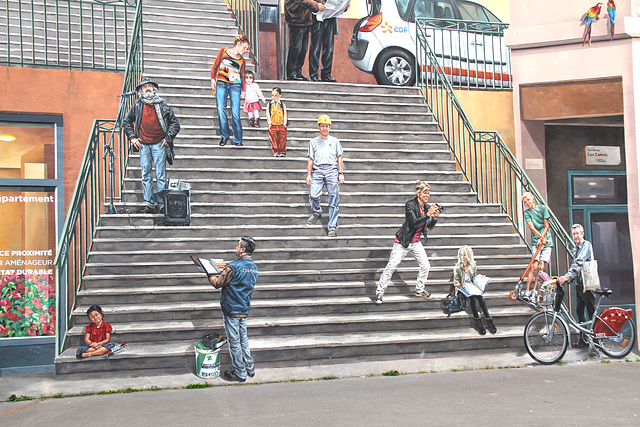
[620, 345]
[546, 343]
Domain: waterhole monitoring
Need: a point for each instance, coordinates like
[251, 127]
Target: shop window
[599, 190]
[27, 290]
[31, 208]
[27, 150]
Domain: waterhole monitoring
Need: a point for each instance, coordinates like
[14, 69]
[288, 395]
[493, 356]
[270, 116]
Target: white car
[466, 37]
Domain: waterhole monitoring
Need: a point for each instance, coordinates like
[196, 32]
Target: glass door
[31, 212]
[598, 201]
[612, 248]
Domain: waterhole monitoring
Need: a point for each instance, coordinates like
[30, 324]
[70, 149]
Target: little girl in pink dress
[252, 98]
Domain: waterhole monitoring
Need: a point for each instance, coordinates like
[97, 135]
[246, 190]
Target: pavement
[47, 385]
[447, 390]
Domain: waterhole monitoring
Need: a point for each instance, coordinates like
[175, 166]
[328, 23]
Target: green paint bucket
[207, 361]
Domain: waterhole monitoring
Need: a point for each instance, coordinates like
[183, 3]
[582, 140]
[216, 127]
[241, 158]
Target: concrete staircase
[313, 303]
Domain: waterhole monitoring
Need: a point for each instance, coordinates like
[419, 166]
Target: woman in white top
[464, 276]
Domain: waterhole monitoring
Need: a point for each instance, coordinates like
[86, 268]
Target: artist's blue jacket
[235, 297]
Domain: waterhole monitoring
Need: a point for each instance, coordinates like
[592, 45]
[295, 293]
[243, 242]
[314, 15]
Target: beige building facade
[575, 125]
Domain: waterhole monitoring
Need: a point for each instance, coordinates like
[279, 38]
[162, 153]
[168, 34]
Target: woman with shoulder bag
[472, 285]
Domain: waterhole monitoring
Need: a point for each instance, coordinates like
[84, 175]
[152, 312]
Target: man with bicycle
[582, 252]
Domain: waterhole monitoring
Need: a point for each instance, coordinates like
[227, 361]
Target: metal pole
[108, 150]
[280, 44]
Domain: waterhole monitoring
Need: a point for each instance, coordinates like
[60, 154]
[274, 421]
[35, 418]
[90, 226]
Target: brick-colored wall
[343, 69]
[78, 96]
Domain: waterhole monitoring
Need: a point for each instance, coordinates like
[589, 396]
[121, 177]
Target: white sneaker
[534, 295]
[378, 299]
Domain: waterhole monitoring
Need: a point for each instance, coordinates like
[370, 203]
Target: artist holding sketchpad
[236, 282]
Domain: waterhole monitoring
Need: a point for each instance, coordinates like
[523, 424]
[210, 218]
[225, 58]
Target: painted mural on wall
[466, 37]
[28, 233]
[27, 304]
[27, 251]
[593, 14]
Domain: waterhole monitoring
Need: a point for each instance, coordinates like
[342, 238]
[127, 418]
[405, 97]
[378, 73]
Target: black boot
[256, 122]
[491, 327]
[251, 122]
[477, 325]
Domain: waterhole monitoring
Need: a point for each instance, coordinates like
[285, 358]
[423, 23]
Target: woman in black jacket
[418, 215]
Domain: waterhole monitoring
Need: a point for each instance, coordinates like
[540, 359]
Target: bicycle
[547, 333]
[517, 294]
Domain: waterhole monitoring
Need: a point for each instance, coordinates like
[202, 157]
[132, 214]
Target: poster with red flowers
[27, 305]
[27, 251]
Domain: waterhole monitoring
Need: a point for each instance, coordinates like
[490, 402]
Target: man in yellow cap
[325, 168]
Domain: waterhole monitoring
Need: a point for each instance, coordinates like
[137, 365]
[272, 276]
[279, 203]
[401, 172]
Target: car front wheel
[395, 68]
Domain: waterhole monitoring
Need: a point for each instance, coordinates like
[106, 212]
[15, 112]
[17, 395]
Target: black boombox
[177, 203]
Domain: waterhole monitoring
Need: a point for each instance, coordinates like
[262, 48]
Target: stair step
[277, 351]
[505, 254]
[312, 240]
[368, 273]
[137, 334]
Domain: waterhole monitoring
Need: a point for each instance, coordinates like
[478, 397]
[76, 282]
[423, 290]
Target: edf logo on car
[386, 28]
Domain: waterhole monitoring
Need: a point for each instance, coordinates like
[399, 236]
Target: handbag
[454, 302]
[590, 278]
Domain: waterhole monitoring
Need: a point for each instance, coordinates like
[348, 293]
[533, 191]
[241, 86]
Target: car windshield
[405, 8]
[409, 9]
[474, 12]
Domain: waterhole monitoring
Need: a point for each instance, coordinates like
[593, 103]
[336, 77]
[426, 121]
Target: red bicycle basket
[614, 317]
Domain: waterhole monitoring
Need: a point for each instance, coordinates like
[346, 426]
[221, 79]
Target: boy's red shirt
[97, 334]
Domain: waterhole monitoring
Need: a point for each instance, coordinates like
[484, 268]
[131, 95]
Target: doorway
[598, 201]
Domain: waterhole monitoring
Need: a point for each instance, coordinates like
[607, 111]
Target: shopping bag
[590, 279]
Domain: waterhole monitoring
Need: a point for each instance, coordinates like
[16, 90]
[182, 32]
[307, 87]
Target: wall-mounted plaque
[601, 155]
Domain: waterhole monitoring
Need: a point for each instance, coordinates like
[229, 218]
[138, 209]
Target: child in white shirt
[252, 98]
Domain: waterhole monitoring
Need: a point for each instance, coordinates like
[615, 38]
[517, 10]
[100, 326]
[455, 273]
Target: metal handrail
[73, 34]
[482, 156]
[247, 14]
[93, 185]
[471, 53]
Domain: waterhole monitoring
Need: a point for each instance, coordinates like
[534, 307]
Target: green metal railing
[74, 34]
[471, 53]
[94, 186]
[247, 14]
[482, 156]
